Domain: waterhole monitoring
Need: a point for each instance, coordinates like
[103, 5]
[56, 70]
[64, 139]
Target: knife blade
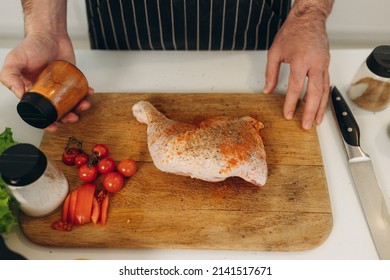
[369, 191]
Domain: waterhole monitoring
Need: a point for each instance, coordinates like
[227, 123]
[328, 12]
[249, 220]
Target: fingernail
[308, 124]
[289, 115]
[319, 120]
[266, 89]
[51, 128]
[85, 106]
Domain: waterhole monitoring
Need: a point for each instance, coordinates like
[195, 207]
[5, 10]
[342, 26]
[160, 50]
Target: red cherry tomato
[88, 173]
[106, 165]
[127, 167]
[113, 182]
[81, 159]
[100, 150]
[69, 155]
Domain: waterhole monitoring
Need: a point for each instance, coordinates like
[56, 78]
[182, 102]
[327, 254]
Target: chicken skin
[214, 150]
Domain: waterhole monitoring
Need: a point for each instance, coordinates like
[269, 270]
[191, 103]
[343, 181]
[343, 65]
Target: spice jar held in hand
[33, 180]
[58, 90]
[370, 88]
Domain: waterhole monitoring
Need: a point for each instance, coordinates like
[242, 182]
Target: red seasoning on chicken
[216, 149]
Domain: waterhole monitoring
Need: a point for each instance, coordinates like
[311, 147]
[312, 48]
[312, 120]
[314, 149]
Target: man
[297, 36]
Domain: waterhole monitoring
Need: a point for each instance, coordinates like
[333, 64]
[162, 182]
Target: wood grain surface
[159, 210]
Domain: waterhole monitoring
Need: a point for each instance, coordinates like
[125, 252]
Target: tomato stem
[74, 141]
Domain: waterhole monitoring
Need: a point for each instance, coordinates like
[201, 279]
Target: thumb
[11, 78]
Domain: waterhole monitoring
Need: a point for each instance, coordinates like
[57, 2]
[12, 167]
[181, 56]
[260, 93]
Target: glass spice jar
[57, 90]
[370, 88]
[36, 183]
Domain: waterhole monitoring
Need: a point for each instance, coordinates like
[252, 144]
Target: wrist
[45, 16]
[320, 9]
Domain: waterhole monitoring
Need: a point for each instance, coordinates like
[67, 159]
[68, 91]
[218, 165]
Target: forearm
[45, 16]
[319, 9]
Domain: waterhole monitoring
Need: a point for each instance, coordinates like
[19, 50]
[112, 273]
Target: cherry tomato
[106, 165]
[100, 150]
[88, 173]
[69, 155]
[127, 167]
[113, 182]
[81, 159]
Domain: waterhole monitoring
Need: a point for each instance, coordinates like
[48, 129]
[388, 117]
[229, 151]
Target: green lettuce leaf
[7, 218]
[6, 139]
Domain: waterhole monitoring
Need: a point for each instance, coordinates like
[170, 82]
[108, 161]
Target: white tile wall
[353, 23]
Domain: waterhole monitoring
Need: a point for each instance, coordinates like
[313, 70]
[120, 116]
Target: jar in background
[57, 90]
[370, 88]
[35, 182]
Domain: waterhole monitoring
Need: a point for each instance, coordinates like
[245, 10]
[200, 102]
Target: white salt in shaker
[34, 180]
[370, 88]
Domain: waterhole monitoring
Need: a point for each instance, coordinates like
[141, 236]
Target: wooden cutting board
[159, 210]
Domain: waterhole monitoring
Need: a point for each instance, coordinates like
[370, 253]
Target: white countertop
[227, 72]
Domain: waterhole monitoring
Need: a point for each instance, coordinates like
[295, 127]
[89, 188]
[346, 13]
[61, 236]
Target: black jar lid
[379, 61]
[22, 164]
[37, 110]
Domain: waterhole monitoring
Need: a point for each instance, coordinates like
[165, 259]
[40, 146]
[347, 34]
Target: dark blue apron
[185, 24]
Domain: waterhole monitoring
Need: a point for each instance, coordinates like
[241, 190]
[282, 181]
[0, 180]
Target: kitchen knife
[362, 171]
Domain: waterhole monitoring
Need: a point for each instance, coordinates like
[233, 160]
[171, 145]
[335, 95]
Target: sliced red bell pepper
[72, 205]
[65, 209]
[84, 204]
[95, 211]
[104, 210]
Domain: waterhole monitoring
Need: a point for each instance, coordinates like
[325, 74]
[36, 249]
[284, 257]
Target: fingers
[296, 83]
[272, 72]
[91, 91]
[313, 97]
[52, 128]
[317, 87]
[82, 106]
[324, 99]
[316, 97]
[10, 77]
[71, 117]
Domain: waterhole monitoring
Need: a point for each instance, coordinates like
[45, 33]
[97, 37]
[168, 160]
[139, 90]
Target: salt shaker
[57, 90]
[34, 180]
[370, 88]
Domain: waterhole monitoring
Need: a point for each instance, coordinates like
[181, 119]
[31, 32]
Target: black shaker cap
[22, 164]
[379, 61]
[36, 110]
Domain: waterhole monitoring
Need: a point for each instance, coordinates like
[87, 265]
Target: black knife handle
[348, 126]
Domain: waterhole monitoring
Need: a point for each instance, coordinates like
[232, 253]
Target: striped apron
[185, 24]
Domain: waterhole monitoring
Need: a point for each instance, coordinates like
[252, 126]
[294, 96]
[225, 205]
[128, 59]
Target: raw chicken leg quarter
[214, 150]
